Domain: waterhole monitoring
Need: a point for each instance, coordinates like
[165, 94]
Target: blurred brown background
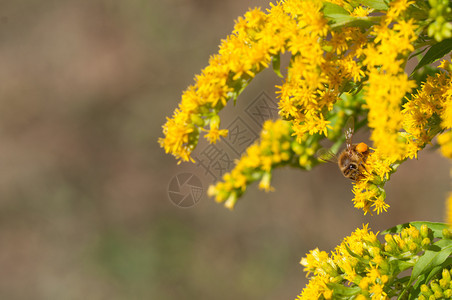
[84, 210]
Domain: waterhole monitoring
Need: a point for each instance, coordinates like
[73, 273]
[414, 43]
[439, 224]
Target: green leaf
[343, 291]
[339, 16]
[402, 265]
[421, 75]
[375, 4]
[424, 279]
[435, 52]
[333, 9]
[434, 256]
[276, 63]
[416, 289]
[363, 22]
[431, 262]
[433, 272]
[418, 52]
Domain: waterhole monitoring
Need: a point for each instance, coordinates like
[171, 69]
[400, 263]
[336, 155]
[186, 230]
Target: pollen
[361, 147]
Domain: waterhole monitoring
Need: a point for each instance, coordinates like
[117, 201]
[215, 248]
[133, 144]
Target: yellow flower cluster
[315, 78]
[300, 93]
[321, 66]
[439, 288]
[388, 83]
[346, 60]
[339, 51]
[276, 147]
[361, 266]
[429, 111]
[440, 28]
[426, 113]
[241, 56]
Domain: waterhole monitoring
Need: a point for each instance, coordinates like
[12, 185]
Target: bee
[352, 159]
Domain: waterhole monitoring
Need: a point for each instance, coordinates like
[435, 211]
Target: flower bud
[303, 160]
[438, 294]
[215, 121]
[231, 201]
[425, 290]
[297, 148]
[413, 247]
[446, 275]
[310, 151]
[197, 120]
[436, 288]
[424, 231]
[443, 283]
[329, 269]
[390, 240]
[446, 233]
[374, 251]
[425, 242]
[389, 248]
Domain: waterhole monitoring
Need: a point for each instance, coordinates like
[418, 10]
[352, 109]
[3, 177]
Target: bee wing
[326, 155]
[349, 128]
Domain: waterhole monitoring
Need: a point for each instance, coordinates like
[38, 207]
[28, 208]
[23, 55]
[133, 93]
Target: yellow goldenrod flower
[276, 147]
[345, 59]
[361, 11]
[264, 184]
[315, 288]
[380, 205]
[363, 268]
[213, 134]
[377, 292]
[397, 7]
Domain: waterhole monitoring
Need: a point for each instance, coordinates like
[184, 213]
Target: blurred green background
[84, 210]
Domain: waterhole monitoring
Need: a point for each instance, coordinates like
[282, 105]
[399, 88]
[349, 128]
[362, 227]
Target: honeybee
[352, 159]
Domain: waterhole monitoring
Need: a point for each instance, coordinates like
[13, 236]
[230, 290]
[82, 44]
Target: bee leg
[361, 172]
[363, 166]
